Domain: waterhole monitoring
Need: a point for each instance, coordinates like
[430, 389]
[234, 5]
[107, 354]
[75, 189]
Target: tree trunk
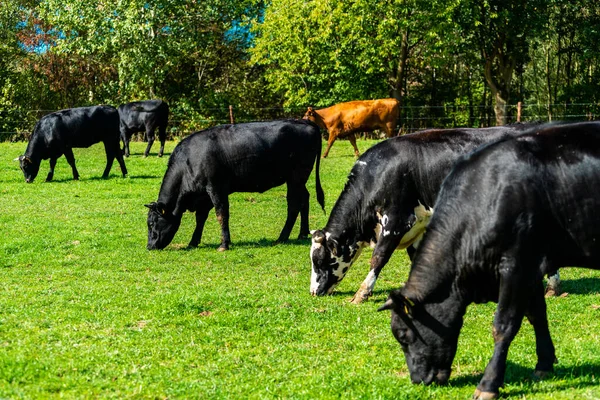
[398, 80]
[549, 85]
[499, 83]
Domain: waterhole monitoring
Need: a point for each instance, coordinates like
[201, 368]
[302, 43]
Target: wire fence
[17, 124]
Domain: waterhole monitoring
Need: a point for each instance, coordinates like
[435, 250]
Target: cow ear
[151, 206]
[18, 158]
[398, 302]
[318, 236]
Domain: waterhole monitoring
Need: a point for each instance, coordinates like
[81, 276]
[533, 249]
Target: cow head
[30, 169]
[162, 226]
[428, 335]
[310, 114]
[330, 262]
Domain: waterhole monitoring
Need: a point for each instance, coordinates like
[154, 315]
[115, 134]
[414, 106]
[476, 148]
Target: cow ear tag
[408, 305]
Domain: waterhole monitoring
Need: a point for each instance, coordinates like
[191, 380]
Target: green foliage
[271, 59]
[322, 52]
[86, 311]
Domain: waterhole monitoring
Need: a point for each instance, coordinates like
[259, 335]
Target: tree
[502, 31]
[324, 51]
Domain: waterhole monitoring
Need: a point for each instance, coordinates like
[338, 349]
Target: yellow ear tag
[162, 212]
[406, 310]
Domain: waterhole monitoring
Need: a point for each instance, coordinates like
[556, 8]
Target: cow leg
[389, 129]
[537, 316]
[201, 216]
[296, 196]
[221, 203]
[110, 157]
[162, 136]
[120, 159]
[51, 172]
[332, 137]
[71, 160]
[304, 208]
[352, 139]
[381, 255]
[150, 137]
[512, 303]
[553, 286]
[125, 140]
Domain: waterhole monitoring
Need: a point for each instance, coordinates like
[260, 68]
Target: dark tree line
[450, 63]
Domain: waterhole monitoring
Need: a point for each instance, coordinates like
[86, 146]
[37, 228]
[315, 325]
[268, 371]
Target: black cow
[58, 133]
[144, 116]
[387, 200]
[505, 216]
[252, 157]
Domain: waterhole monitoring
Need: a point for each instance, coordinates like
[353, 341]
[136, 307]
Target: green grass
[87, 311]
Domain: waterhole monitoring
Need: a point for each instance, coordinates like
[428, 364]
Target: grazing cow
[506, 215]
[144, 116]
[58, 133]
[345, 119]
[207, 166]
[387, 200]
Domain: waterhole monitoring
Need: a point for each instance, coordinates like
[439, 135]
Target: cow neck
[36, 148]
[346, 224]
[320, 119]
[433, 271]
[171, 191]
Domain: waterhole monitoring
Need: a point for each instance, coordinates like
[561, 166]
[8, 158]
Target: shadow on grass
[151, 155]
[261, 243]
[580, 286]
[350, 293]
[563, 378]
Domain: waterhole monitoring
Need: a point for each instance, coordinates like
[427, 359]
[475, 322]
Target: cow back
[249, 157]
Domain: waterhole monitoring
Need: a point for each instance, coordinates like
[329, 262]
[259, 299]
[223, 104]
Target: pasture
[87, 311]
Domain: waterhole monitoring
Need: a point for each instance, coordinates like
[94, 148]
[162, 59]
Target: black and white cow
[209, 165]
[144, 116]
[388, 199]
[506, 215]
[59, 132]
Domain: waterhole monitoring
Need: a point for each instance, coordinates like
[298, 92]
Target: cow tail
[320, 194]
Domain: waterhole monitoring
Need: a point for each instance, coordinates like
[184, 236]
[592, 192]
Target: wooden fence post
[231, 115]
[519, 108]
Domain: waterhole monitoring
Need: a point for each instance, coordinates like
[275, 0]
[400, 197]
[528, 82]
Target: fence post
[519, 107]
[231, 114]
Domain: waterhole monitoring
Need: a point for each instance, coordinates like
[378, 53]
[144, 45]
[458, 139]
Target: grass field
[86, 311]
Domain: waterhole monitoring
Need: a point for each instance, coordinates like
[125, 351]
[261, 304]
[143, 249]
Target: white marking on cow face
[361, 162]
[344, 265]
[328, 269]
[314, 285]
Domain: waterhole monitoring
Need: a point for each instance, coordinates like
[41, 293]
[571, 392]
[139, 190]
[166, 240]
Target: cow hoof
[479, 395]
[553, 291]
[160, 155]
[222, 248]
[359, 298]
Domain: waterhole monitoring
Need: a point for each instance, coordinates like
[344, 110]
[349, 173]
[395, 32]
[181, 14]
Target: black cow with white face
[59, 132]
[388, 199]
[209, 165]
[144, 116]
[506, 215]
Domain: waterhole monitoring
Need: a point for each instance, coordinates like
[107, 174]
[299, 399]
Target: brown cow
[344, 119]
